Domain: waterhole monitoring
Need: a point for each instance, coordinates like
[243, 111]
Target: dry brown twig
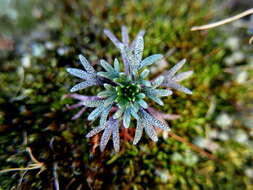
[225, 21]
[193, 147]
[35, 165]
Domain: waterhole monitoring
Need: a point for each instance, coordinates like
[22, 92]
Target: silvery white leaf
[161, 92]
[106, 93]
[81, 97]
[158, 81]
[127, 118]
[118, 113]
[111, 36]
[108, 75]
[143, 103]
[140, 34]
[80, 73]
[78, 114]
[105, 114]
[138, 132]
[109, 100]
[106, 66]
[134, 113]
[95, 113]
[106, 136]
[157, 100]
[174, 69]
[87, 66]
[93, 103]
[124, 34]
[95, 131]
[141, 95]
[153, 121]
[83, 85]
[115, 135]
[108, 86]
[144, 73]
[182, 76]
[125, 59]
[116, 65]
[149, 129]
[150, 60]
[130, 57]
[138, 50]
[136, 106]
[177, 87]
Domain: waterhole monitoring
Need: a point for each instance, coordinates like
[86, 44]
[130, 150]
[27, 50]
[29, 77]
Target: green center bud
[128, 92]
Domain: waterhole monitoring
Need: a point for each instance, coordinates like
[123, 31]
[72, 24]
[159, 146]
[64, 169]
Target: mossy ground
[48, 37]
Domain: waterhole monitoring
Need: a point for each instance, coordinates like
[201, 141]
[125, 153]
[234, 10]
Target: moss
[32, 107]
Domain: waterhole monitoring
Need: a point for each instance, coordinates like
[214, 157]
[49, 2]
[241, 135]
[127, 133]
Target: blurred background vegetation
[39, 39]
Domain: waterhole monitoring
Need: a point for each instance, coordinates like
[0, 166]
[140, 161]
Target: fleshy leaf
[116, 65]
[149, 129]
[153, 121]
[143, 103]
[108, 86]
[156, 99]
[83, 85]
[161, 92]
[78, 114]
[181, 76]
[144, 82]
[110, 100]
[115, 135]
[144, 73]
[106, 93]
[174, 69]
[138, 132]
[93, 103]
[118, 113]
[140, 34]
[130, 57]
[150, 60]
[95, 113]
[106, 136]
[136, 106]
[107, 75]
[124, 33]
[158, 81]
[80, 73]
[81, 97]
[105, 114]
[127, 118]
[134, 113]
[177, 87]
[138, 51]
[154, 94]
[106, 66]
[111, 36]
[141, 95]
[95, 131]
[125, 59]
[86, 64]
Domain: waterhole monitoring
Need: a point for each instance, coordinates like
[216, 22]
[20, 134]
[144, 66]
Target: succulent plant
[126, 92]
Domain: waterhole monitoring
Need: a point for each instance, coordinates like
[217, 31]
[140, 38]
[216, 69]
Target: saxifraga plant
[126, 93]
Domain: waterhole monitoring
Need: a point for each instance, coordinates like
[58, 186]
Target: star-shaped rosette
[126, 92]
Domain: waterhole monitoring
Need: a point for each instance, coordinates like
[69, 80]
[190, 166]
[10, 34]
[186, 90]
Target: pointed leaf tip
[87, 66]
[150, 60]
